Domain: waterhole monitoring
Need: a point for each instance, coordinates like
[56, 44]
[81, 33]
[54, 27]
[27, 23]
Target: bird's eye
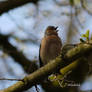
[47, 33]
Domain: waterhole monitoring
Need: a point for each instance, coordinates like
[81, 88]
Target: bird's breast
[50, 48]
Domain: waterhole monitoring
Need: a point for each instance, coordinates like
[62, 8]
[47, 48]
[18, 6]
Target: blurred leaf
[52, 77]
[76, 2]
[87, 33]
[71, 2]
[91, 37]
[83, 35]
[59, 76]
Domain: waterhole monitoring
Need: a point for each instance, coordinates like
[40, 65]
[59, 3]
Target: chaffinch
[50, 46]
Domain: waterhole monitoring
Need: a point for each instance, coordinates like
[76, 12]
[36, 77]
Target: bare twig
[10, 4]
[76, 16]
[10, 79]
[69, 33]
[84, 7]
[62, 3]
[16, 55]
[37, 89]
[39, 75]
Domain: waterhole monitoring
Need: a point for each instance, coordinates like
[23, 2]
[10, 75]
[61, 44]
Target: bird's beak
[56, 29]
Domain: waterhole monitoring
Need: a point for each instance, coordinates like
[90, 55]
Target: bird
[50, 46]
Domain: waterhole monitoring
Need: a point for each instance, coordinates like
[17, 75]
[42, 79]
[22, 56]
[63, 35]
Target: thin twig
[37, 89]
[62, 3]
[11, 79]
[76, 16]
[84, 7]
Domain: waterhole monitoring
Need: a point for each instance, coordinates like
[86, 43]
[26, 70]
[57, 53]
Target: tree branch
[85, 8]
[10, 4]
[39, 75]
[16, 55]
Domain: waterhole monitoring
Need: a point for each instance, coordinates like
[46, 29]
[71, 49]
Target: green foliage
[57, 80]
[71, 2]
[52, 77]
[74, 2]
[86, 36]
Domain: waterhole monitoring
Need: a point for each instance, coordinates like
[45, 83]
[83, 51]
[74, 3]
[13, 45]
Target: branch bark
[39, 75]
[10, 4]
[16, 55]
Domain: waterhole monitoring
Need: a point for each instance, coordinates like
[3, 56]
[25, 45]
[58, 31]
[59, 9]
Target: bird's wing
[40, 61]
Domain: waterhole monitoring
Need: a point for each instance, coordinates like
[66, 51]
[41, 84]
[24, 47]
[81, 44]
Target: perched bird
[50, 46]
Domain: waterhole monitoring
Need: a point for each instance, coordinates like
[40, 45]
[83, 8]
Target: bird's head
[51, 30]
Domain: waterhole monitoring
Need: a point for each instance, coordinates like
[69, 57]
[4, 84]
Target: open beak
[56, 29]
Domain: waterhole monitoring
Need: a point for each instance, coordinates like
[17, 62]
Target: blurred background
[22, 26]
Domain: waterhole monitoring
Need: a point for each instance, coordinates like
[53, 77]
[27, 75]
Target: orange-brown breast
[50, 48]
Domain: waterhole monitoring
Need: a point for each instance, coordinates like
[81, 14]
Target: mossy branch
[39, 75]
